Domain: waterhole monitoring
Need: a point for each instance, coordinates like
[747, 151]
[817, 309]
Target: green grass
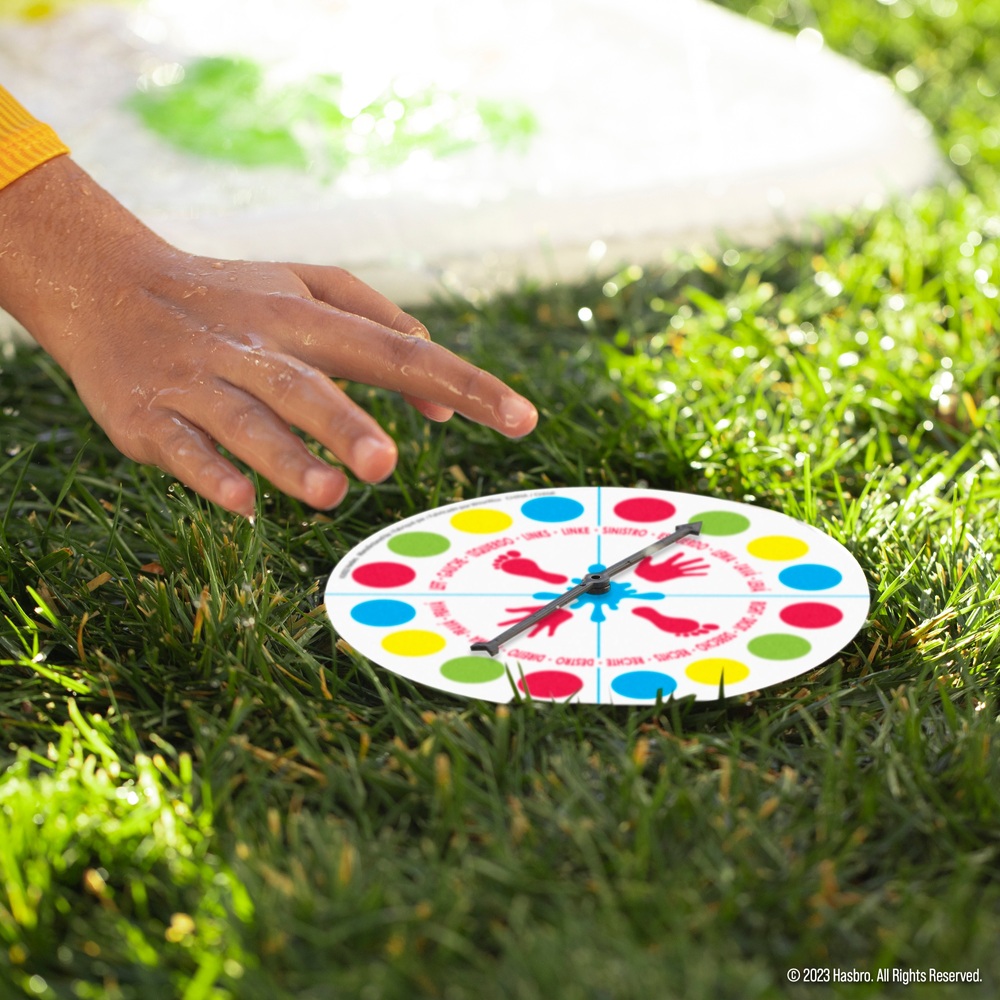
[203, 797]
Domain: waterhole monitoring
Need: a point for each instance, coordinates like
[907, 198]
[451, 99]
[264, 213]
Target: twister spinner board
[601, 595]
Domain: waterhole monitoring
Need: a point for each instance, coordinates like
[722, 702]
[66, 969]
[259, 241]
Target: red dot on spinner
[645, 510]
[550, 684]
[811, 614]
[384, 574]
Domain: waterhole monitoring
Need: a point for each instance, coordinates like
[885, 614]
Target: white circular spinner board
[733, 599]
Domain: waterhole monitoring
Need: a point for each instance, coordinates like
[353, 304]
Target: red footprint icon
[675, 626]
[517, 565]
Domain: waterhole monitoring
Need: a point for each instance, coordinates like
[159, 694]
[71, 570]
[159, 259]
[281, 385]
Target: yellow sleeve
[24, 142]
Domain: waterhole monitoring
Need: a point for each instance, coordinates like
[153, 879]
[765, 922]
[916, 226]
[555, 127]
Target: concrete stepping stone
[636, 127]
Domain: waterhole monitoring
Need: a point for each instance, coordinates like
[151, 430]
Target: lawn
[202, 796]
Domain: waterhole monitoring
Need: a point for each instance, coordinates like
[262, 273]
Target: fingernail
[516, 410]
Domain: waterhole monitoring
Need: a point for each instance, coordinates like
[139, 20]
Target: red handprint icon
[550, 622]
[671, 569]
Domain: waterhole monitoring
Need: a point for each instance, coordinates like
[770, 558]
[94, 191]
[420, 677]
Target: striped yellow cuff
[24, 142]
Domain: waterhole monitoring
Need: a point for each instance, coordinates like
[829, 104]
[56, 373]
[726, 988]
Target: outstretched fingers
[342, 290]
[434, 373]
[346, 345]
[252, 423]
[274, 390]
[186, 452]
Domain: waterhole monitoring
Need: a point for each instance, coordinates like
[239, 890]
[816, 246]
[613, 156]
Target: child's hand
[174, 354]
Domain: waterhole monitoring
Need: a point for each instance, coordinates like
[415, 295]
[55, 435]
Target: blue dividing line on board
[600, 512]
[600, 498]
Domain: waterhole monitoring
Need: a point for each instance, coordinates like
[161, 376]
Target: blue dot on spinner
[552, 510]
[810, 576]
[383, 613]
[644, 685]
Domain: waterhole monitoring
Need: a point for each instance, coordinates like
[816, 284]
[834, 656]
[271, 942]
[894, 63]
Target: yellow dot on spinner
[716, 668]
[481, 522]
[778, 548]
[413, 642]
